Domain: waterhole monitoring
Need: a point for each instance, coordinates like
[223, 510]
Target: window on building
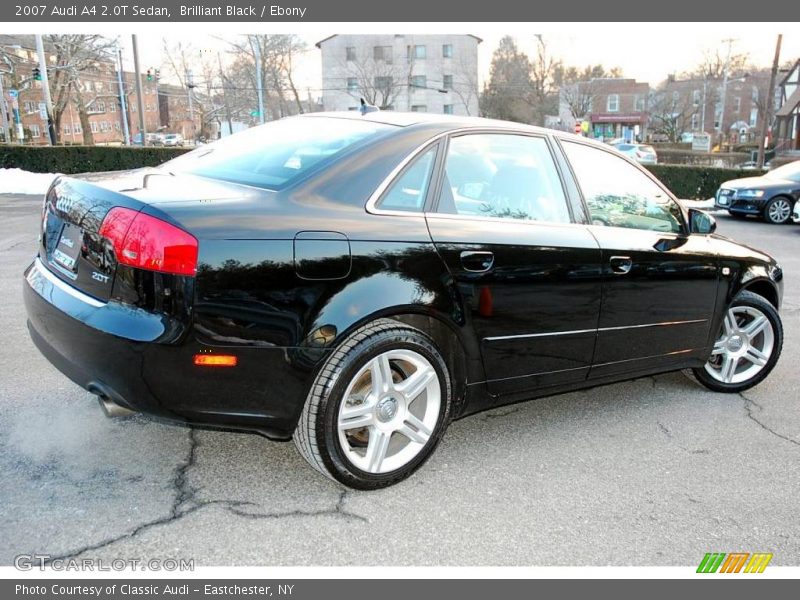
[697, 97]
[36, 132]
[67, 129]
[753, 116]
[695, 122]
[352, 84]
[383, 83]
[447, 50]
[350, 52]
[30, 107]
[676, 97]
[639, 103]
[754, 94]
[502, 176]
[737, 104]
[419, 108]
[407, 192]
[77, 129]
[93, 126]
[419, 82]
[112, 106]
[116, 126]
[383, 53]
[419, 52]
[448, 109]
[612, 104]
[447, 82]
[100, 106]
[619, 194]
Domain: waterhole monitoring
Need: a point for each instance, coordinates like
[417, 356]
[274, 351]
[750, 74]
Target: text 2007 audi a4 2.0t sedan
[356, 282]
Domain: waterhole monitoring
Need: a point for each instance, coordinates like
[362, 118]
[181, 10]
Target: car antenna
[368, 108]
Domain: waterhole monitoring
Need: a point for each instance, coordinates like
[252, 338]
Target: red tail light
[145, 242]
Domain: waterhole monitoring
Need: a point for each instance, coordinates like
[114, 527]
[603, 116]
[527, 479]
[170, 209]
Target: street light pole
[139, 100]
[48, 102]
[123, 107]
[259, 82]
[6, 130]
[767, 116]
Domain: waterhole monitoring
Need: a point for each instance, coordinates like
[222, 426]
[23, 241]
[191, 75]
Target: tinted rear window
[274, 155]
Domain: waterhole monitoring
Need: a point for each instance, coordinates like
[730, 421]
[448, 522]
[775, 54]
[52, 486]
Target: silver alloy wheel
[779, 210]
[744, 346]
[389, 411]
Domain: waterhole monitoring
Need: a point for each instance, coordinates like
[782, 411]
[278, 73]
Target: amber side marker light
[215, 360]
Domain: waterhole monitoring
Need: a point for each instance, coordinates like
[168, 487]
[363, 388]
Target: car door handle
[477, 261]
[620, 264]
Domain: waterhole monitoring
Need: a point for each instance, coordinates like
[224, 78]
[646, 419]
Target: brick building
[98, 93]
[614, 107]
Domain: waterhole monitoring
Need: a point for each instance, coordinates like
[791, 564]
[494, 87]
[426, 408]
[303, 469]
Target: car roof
[407, 119]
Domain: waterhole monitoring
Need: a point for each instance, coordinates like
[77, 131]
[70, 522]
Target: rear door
[660, 283]
[529, 278]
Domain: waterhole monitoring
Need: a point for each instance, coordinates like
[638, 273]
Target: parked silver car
[641, 153]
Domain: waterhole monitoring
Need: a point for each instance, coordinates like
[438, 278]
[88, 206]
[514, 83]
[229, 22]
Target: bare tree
[186, 62]
[465, 83]
[380, 79]
[544, 95]
[76, 56]
[671, 112]
[579, 97]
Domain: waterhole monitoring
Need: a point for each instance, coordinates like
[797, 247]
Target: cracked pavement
[655, 471]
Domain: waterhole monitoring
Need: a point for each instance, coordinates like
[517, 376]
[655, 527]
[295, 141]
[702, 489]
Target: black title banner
[328, 11]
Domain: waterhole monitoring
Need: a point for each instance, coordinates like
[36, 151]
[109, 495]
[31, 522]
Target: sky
[647, 52]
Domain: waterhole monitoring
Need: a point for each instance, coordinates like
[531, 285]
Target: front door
[660, 283]
[528, 277]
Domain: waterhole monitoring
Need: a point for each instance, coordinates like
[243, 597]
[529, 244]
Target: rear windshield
[274, 155]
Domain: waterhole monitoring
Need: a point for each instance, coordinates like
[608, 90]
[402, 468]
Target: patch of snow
[701, 204]
[18, 181]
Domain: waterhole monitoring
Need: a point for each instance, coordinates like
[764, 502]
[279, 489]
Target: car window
[790, 171]
[408, 191]
[502, 175]
[274, 155]
[618, 194]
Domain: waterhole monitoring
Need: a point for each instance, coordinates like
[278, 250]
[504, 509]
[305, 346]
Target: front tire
[378, 407]
[778, 210]
[748, 346]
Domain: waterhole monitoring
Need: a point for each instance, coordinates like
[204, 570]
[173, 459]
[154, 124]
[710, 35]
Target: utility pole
[6, 130]
[259, 83]
[51, 128]
[225, 95]
[139, 100]
[721, 128]
[766, 118]
[189, 88]
[123, 107]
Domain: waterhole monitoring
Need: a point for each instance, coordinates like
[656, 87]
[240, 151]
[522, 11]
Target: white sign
[43, 110]
[701, 142]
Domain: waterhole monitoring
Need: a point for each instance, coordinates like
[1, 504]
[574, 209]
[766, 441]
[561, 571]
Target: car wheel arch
[762, 287]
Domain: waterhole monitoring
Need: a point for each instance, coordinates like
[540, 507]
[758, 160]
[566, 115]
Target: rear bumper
[114, 350]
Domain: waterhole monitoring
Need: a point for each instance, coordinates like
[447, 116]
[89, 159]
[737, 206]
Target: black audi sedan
[771, 196]
[356, 282]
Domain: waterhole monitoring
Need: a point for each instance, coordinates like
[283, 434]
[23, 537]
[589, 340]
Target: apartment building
[423, 73]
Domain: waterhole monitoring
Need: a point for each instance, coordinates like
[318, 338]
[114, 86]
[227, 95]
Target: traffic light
[149, 75]
[37, 74]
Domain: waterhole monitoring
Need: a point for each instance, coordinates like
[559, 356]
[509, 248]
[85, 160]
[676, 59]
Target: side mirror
[701, 222]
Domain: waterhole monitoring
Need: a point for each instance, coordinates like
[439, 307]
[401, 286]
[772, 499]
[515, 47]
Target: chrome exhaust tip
[112, 409]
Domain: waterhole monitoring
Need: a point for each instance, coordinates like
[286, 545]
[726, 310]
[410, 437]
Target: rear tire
[378, 407]
[747, 348]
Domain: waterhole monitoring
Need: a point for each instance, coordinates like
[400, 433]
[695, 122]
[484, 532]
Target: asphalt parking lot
[656, 471]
